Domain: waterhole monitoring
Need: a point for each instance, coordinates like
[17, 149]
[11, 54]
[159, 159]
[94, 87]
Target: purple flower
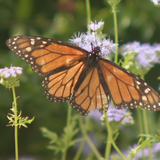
[119, 115]
[96, 26]
[10, 72]
[147, 54]
[77, 39]
[156, 2]
[9, 76]
[143, 56]
[94, 38]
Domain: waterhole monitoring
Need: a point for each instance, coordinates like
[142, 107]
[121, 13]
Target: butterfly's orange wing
[45, 55]
[60, 63]
[128, 90]
[62, 84]
[90, 94]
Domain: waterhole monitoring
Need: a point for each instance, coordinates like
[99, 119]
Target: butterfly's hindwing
[90, 94]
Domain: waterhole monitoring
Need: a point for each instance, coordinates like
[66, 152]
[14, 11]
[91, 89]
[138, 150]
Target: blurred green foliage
[59, 19]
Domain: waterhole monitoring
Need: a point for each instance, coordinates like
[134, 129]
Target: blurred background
[59, 19]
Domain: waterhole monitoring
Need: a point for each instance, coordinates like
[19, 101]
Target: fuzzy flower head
[143, 56]
[94, 26]
[9, 76]
[156, 2]
[94, 38]
[118, 117]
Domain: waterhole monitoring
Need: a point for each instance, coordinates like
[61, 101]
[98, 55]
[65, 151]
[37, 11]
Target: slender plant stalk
[147, 132]
[140, 121]
[69, 115]
[78, 154]
[108, 147]
[113, 6]
[140, 127]
[145, 122]
[116, 33]
[88, 10]
[16, 123]
[146, 127]
[90, 143]
[111, 138]
[68, 125]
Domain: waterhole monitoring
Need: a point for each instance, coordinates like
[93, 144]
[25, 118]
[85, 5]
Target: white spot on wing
[32, 41]
[28, 49]
[41, 45]
[44, 42]
[144, 98]
[38, 38]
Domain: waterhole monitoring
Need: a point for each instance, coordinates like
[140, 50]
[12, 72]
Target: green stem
[145, 121]
[90, 143]
[88, 12]
[108, 147]
[140, 127]
[110, 137]
[69, 115]
[78, 154]
[67, 139]
[116, 34]
[114, 5]
[146, 127]
[147, 132]
[16, 123]
[140, 121]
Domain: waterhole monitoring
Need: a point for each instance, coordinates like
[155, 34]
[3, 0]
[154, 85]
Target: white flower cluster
[94, 38]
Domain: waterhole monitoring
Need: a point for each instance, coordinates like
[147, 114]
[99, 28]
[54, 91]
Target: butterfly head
[97, 52]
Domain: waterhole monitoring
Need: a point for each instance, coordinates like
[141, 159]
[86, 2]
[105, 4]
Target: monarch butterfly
[83, 78]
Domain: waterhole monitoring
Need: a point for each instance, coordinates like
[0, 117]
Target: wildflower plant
[9, 78]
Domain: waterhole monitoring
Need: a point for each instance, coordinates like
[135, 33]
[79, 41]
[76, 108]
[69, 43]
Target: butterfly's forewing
[45, 55]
